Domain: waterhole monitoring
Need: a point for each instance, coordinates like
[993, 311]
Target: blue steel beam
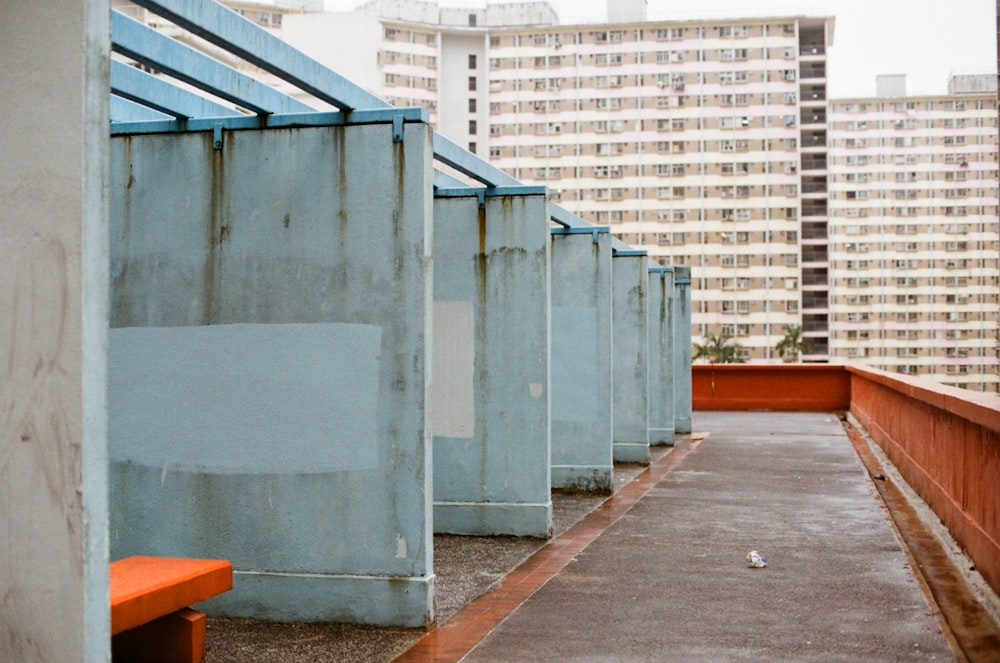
[489, 192]
[230, 31]
[464, 161]
[580, 230]
[153, 49]
[148, 90]
[566, 218]
[123, 110]
[620, 248]
[240, 122]
[446, 181]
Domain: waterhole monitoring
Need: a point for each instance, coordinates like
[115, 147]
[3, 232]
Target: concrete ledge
[287, 597]
[493, 518]
[661, 437]
[594, 478]
[631, 452]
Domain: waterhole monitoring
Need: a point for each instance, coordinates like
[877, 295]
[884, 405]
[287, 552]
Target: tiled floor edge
[455, 638]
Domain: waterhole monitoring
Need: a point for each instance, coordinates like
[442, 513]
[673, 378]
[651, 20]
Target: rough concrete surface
[466, 567]
[668, 581]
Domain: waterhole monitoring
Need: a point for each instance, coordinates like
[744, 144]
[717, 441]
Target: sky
[925, 39]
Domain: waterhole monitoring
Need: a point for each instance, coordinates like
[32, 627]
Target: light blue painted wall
[581, 362]
[491, 366]
[271, 306]
[682, 349]
[631, 410]
[661, 355]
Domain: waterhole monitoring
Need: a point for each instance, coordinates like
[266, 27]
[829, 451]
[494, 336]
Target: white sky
[924, 39]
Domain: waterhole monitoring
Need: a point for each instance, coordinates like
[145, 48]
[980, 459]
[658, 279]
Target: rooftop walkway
[657, 572]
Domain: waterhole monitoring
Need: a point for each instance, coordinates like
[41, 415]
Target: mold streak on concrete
[491, 471]
[581, 362]
[630, 424]
[287, 435]
[661, 356]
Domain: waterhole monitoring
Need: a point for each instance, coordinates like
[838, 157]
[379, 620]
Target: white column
[53, 322]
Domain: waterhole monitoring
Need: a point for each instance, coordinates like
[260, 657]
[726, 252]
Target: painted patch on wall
[574, 368]
[276, 398]
[453, 408]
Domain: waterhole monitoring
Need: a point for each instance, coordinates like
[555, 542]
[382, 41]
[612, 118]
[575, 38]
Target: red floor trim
[451, 641]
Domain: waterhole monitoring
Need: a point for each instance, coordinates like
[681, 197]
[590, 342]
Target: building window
[472, 82]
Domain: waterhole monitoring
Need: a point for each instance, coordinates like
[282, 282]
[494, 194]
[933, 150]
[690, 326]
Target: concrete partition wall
[682, 349]
[53, 330]
[581, 359]
[491, 364]
[630, 389]
[271, 320]
[660, 311]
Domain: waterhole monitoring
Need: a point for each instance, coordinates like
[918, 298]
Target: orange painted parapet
[146, 588]
[946, 443]
[779, 387]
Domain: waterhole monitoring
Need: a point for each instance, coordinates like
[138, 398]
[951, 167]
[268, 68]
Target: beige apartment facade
[702, 142]
[914, 235]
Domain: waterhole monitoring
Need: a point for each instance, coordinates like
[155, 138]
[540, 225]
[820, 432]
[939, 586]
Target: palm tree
[791, 347]
[718, 350]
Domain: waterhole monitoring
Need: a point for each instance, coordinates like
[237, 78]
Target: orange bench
[150, 617]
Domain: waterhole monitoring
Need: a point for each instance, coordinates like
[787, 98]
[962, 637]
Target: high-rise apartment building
[872, 223]
[702, 141]
[914, 232]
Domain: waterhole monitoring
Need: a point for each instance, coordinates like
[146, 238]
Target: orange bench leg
[176, 638]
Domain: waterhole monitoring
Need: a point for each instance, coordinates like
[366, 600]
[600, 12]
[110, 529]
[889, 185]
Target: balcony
[814, 208]
[814, 230]
[813, 95]
[813, 253]
[813, 162]
[815, 116]
[813, 185]
[816, 300]
[815, 276]
[811, 71]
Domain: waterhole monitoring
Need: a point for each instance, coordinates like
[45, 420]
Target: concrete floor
[667, 581]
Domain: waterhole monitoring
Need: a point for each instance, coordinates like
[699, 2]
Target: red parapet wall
[946, 444]
[944, 441]
[779, 387]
